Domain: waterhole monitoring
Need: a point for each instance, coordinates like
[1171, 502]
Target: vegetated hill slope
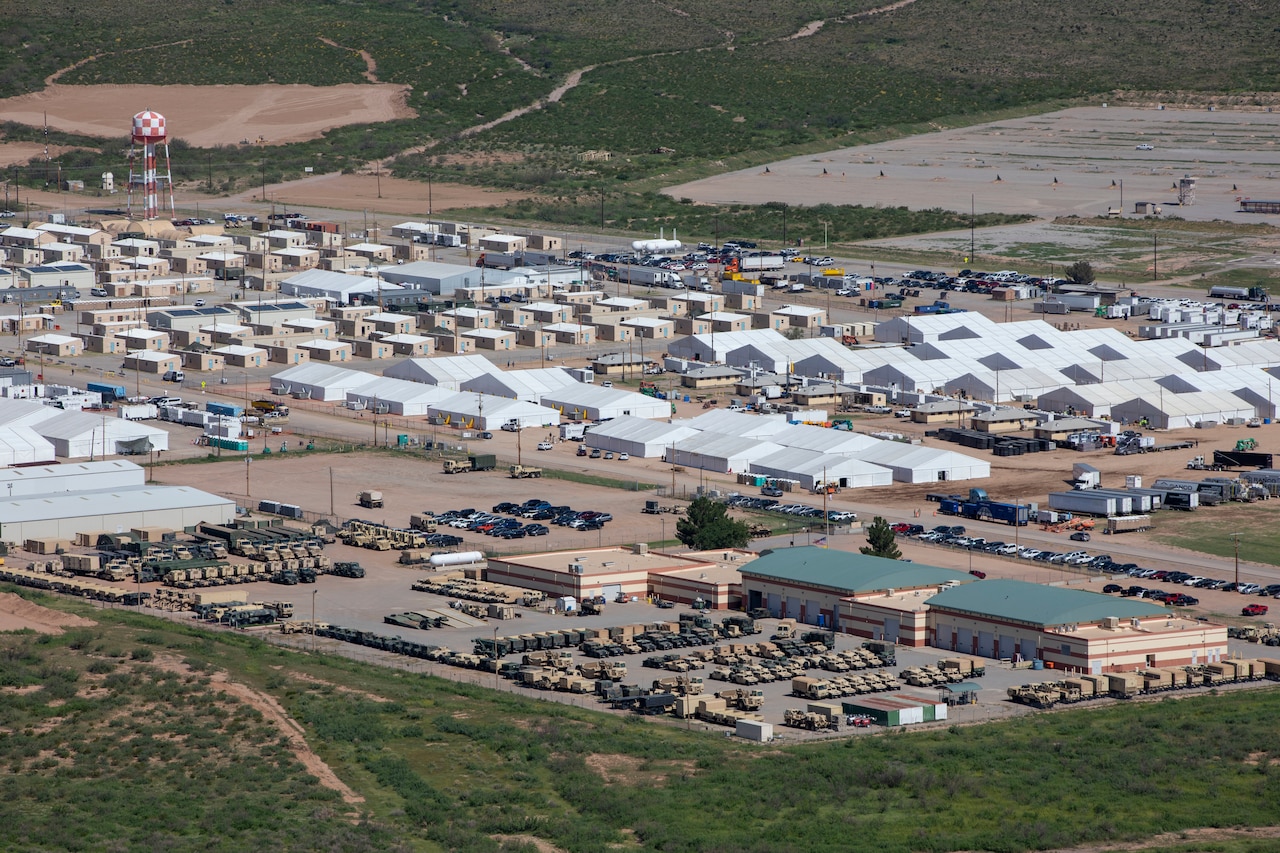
[145, 734]
[704, 78]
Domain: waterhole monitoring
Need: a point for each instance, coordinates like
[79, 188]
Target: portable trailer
[1242, 459]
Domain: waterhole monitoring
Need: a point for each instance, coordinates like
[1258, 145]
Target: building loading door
[611, 591]
[1006, 648]
[986, 644]
[812, 610]
[775, 603]
[944, 637]
[964, 640]
[891, 629]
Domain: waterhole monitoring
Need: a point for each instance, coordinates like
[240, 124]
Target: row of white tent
[469, 391]
[969, 355]
[733, 442]
[31, 432]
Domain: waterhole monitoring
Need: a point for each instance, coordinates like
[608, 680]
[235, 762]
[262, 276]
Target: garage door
[812, 610]
[986, 644]
[612, 591]
[1006, 648]
[943, 635]
[891, 630]
[775, 603]
[964, 640]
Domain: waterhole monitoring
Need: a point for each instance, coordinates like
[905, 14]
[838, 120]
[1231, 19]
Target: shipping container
[1085, 502]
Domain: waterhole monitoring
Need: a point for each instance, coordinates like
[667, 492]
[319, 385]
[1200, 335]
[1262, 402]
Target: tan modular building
[326, 350]
[534, 336]
[611, 332]
[224, 264]
[189, 266]
[310, 326]
[766, 320]
[743, 301]
[53, 253]
[1069, 629]
[144, 339]
[105, 344]
[502, 243]
[466, 318]
[152, 362]
[136, 247]
[847, 592]
[547, 312]
[411, 345]
[655, 328]
[801, 316]
[290, 355]
[386, 323]
[1004, 420]
[491, 339]
[711, 376]
[410, 252]
[375, 252]
[692, 325]
[726, 321]
[242, 356]
[55, 345]
[265, 262]
[545, 243]
[455, 344]
[1060, 429]
[635, 572]
[295, 258]
[572, 333]
[283, 239]
[941, 412]
[379, 349]
[189, 338]
[205, 362]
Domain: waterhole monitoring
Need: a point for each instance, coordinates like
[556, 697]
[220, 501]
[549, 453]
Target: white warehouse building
[64, 514]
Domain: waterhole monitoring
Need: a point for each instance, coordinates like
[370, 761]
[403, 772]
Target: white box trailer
[1086, 502]
[754, 730]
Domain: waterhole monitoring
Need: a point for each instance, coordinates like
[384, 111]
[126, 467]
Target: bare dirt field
[1050, 165]
[340, 192]
[211, 115]
[17, 614]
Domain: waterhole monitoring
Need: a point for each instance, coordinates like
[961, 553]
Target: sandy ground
[16, 614]
[211, 115]
[341, 194]
[1056, 164]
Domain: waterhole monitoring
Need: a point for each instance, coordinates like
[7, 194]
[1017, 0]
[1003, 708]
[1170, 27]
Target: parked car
[1254, 610]
[1080, 536]
[545, 445]
[1112, 587]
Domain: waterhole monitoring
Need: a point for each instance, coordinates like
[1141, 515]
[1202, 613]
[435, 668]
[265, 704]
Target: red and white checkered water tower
[149, 132]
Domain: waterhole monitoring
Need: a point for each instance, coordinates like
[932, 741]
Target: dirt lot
[18, 614]
[211, 115]
[1049, 165]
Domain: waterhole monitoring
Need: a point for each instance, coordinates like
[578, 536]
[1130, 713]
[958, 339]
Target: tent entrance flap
[134, 447]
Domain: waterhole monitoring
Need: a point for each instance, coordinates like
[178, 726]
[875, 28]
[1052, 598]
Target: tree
[707, 526]
[881, 541]
[1081, 272]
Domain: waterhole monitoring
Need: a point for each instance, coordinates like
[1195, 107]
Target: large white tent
[397, 396]
[810, 468]
[78, 435]
[22, 445]
[912, 463]
[481, 411]
[725, 454]
[315, 381]
[737, 423]
[638, 437]
[835, 442]
[448, 371]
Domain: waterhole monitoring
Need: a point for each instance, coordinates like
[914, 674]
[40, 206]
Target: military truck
[474, 462]
[370, 499]
[521, 472]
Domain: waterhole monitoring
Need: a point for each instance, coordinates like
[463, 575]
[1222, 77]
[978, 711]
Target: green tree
[707, 526]
[1081, 272]
[881, 541]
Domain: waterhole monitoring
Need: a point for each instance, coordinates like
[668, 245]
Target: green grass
[1213, 531]
[445, 765]
[596, 480]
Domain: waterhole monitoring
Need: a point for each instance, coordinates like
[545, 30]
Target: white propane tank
[461, 558]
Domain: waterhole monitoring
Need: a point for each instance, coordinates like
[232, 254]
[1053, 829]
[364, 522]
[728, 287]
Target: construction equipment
[370, 499]
[520, 472]
[1246, 444]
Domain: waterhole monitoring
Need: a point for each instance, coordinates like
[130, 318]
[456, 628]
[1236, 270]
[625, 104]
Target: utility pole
[331, 512]
[313, 620]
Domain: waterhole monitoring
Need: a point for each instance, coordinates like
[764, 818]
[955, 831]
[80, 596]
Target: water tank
[459, 559]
